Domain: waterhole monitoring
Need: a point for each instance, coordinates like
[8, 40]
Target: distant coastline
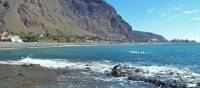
[182, 41]
[11, 46]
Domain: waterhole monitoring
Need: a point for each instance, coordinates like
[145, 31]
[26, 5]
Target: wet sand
[35, 76]
[10, 46]
[25, 76]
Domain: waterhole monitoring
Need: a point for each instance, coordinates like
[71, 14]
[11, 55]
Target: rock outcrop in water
[68, 17]
[165, 80]
[118, 71]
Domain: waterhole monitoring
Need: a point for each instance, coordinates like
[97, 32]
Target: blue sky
[170, 18]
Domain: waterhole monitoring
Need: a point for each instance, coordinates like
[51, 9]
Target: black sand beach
[8, 46]
[25, 76]
[35, 76]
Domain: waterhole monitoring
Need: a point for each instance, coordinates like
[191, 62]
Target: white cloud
[169, 15]
[163, 14]
[177, 8]
[190, 12]
[196, 18]
[197, 38]
[151, 10]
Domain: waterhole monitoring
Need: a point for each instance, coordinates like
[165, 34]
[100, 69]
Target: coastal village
[6, 37]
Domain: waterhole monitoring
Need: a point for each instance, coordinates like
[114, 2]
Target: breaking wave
[136, 52]
[102, 66]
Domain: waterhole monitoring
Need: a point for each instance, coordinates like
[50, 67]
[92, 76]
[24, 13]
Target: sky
[178, 19]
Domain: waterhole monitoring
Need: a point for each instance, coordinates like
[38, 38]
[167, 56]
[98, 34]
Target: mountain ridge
[66, 17]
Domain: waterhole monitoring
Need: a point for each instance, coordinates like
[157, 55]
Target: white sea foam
[137, 52]
[55, 63]
[96, 66]
[161, 69]
[102, 66]
[111, 79]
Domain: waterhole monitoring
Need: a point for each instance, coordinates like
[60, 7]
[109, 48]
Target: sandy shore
[35, 76]
[25, 76]
[10, 46]
[7, 46]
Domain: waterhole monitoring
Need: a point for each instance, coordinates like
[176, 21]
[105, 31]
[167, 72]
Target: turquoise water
[161, 54]
[183, 57]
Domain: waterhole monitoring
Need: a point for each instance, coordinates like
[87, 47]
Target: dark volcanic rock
[30, 65]
[132, 70]
[118, 71]
[158, 82]
[198, 84]
[163, 81]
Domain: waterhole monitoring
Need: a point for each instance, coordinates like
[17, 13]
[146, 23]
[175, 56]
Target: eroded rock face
[83, 17]
[69, 17]
[3, 7]
[96, 16]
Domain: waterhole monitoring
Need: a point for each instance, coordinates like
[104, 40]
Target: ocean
[154, 58]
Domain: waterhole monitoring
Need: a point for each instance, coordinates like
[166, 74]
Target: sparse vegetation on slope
[61, 18]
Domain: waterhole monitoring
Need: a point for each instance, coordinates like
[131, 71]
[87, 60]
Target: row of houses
[5, 36]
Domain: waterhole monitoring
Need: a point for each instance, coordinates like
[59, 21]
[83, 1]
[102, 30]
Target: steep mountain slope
[69, 17]
[148, 37]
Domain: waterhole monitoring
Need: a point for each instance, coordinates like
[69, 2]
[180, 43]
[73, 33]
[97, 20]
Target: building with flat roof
[5, 36]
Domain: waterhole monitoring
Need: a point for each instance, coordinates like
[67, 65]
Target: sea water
[154, 58]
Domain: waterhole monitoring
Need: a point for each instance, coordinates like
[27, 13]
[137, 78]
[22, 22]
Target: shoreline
[25, 76]
[11, 46]
[36, 76]
[51, 73]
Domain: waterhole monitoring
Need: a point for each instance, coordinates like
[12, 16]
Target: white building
[153, 40]
[14, 38]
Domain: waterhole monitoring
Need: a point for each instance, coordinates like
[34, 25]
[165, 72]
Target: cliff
[65, 17]
[148, 37]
